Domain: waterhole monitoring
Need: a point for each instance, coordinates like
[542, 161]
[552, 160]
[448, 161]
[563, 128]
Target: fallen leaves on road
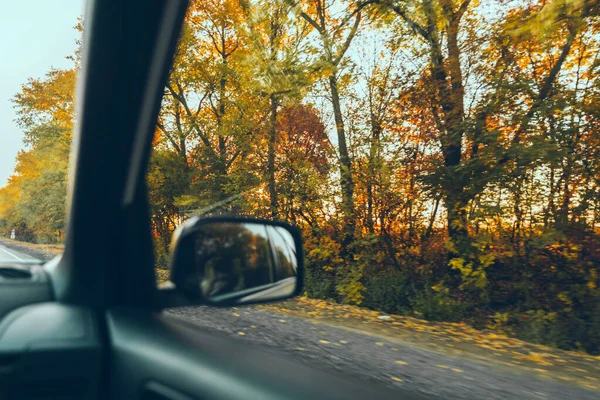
[453, 338]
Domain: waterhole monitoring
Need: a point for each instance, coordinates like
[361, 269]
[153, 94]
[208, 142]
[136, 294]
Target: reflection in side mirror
[247, 261]
[226, 261]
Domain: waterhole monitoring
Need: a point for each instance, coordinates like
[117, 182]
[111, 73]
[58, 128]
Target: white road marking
[11, 254]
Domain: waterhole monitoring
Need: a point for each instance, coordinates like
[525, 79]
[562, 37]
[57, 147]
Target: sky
[35, 35]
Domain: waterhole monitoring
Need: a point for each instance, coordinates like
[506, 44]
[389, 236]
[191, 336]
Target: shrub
[318, 283]
[162, 257]
[436, 305]
[388, 291]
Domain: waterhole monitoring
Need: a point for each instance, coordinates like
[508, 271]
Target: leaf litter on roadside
[455, 337]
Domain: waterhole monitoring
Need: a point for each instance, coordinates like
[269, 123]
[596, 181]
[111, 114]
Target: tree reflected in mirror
[248, 260]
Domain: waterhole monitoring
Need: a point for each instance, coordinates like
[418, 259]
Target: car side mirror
[235, 261]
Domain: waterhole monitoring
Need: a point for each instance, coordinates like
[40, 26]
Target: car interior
[91, 324]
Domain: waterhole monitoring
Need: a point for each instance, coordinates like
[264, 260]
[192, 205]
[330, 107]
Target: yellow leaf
[397, 379]
[252, 326]
[343, 342]
[379, 343]
[300, 348]
[401, 362]
[457, 370]
[241, 333]
[443, 366]
[235, 314]
[323, 341]
[282, 320]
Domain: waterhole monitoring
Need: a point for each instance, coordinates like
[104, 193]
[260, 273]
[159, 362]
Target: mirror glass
[245, 262]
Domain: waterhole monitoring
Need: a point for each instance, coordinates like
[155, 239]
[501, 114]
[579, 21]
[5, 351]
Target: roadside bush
[318, 284]
[322, 260]
[436, 305]
[563, 330]
[162, 275]
[541, 327]
[388, 291]
[161, 255]
[593, 328]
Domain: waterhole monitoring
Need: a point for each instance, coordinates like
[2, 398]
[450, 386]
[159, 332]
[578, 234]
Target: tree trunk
[550, 208]
[432, 219]
[372, 170]
[562, 218]
[453, 117]
[271, 157]
[222, 149]
[346, 180]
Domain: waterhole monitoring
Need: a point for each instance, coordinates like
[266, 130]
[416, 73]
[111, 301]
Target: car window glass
[441, 158]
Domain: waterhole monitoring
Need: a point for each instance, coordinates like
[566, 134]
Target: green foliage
[435, 303]
[322, 260]
[42, 205]
[318, 283]
[33, 202]
[388, 291]
[350, 288]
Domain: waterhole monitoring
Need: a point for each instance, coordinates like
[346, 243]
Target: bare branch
[168, 136]
[412, 24]
[462, 9]
[312, 22]
[349, 38]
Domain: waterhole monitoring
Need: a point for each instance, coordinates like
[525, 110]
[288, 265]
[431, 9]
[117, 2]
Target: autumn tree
[472, 153]
[281, 75]
[34, 199]
[335, 35]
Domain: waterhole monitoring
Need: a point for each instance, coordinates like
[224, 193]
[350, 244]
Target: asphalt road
[380, 360]
[10, 255]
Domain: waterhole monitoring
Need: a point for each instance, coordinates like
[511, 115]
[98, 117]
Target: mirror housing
[227, 261]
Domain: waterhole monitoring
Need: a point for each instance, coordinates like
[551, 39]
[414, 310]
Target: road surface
[10, 255]
[380, 360]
